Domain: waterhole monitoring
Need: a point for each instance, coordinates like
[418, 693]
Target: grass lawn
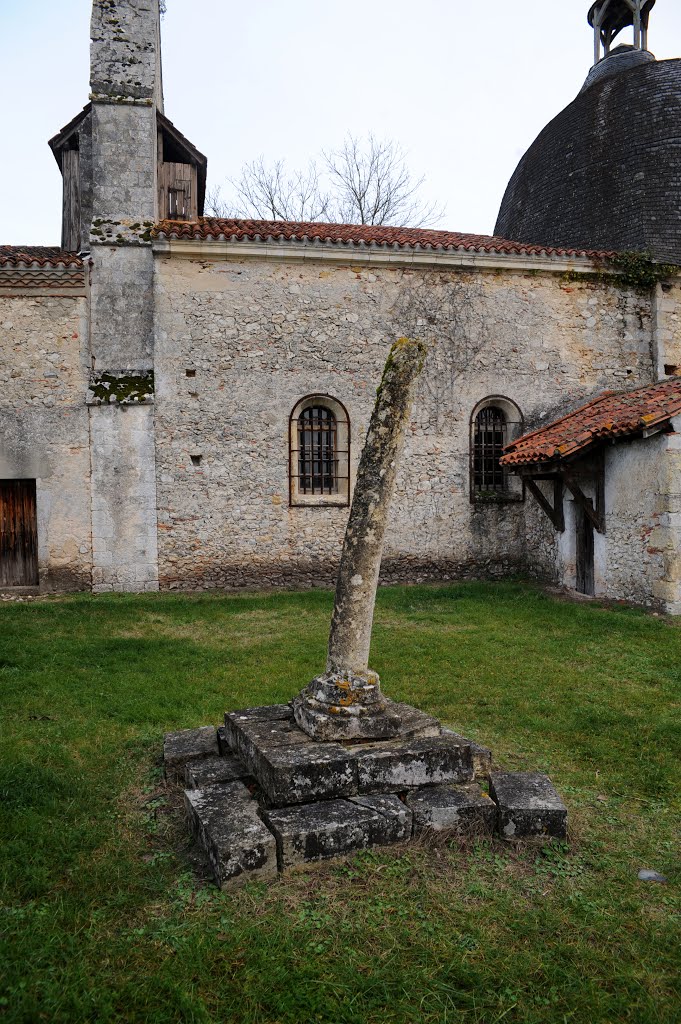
[104, 919]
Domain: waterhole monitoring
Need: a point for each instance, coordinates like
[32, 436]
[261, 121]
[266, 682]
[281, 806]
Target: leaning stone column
[346, 702]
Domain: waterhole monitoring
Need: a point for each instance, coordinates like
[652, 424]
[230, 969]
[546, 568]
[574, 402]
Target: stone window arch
[319, 452]
[494, 423]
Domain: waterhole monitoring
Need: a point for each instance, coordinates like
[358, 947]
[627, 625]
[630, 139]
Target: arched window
[488, 447]
[319, 452]
[495, 422]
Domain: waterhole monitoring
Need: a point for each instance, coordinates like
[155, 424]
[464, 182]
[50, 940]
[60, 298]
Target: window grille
[319, 452]
[488, 447]
[317, 447]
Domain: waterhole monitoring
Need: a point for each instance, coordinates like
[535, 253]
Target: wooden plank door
[18, 534]
[585, 552]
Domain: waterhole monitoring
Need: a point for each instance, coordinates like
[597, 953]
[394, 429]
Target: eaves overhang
[378, 255]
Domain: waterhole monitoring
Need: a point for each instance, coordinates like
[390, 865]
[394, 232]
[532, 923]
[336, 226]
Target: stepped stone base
[262, 796]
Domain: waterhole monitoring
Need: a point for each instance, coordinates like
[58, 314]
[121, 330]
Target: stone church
[184, 399]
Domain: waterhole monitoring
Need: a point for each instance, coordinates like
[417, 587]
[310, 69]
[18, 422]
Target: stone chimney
[125, 52]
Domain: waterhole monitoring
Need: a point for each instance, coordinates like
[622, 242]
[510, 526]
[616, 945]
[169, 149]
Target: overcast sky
[463, 85]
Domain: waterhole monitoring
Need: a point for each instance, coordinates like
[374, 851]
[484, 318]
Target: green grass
[104, 919]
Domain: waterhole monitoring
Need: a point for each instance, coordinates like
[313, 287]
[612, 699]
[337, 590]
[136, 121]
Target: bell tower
[609, 17]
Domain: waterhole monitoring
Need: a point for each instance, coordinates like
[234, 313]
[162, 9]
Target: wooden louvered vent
[18, 534]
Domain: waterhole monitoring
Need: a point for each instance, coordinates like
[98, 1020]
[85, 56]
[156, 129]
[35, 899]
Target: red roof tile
[37, 256]
[210, 228]
[613, 415]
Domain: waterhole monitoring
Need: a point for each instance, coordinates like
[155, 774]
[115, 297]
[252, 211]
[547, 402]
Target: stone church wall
[44, 426]
[636, 522]
[239, 343]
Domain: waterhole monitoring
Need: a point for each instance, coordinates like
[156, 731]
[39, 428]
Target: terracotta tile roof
[613, 415]
[210, 228]
[37, 256]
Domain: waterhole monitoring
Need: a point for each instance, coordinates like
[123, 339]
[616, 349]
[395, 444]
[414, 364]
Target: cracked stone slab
[462, 809]
[331, 828]
[482, 756]
[226, 823]
[211, 771]
[528, 805]
[187, 745]
[406, 764]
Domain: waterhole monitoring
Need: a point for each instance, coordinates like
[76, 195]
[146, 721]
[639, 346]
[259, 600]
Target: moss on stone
[124, 388]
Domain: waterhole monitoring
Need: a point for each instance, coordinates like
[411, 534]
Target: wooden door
[18, 534]
[585, 552]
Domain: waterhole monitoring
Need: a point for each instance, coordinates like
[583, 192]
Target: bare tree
[216, 205]
[270, 192]
[362, 182]
[372, 184]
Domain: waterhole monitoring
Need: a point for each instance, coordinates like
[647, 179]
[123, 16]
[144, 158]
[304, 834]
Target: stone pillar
[126, 93]
[346, 702]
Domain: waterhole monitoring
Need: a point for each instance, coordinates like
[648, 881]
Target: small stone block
[416, 724]
[180, 747]
[482, 756]
[211, 771]
[226, 823]
[332, 828]
[411, 763]
[462, 809]
[245, 731]
[528, 805]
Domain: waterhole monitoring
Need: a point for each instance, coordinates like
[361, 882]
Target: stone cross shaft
[346, 702]
[360, 562]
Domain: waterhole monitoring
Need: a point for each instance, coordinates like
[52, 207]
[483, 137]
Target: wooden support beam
[555, 511]
[596, 515]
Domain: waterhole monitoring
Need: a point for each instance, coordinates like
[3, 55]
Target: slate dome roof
[606, 172]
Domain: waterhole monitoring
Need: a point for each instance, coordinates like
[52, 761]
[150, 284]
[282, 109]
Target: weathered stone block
[226, 823]
[463, 809]
[528, 805]
[331, 828]
[186, 745]
[305, 772]
[481, 756]
[406, 764]
[211, 771]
